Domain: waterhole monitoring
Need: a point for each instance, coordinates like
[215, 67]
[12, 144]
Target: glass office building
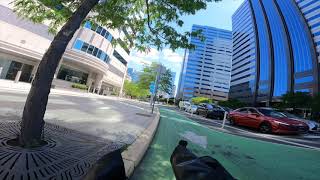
[280, 40]
[206, 70]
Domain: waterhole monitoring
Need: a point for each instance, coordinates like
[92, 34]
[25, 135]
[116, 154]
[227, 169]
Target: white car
[184, 104]
[192, 109]
[313, 126]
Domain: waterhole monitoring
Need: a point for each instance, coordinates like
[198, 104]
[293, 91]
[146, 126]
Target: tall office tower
[275, 46]
[206, 70]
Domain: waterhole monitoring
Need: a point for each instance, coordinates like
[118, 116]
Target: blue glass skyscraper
[206, 70]
[275, 49]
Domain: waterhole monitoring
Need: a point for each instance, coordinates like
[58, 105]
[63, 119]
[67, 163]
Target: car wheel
[265, 128]
[232, 122]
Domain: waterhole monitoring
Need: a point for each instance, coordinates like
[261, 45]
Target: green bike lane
[245, 159]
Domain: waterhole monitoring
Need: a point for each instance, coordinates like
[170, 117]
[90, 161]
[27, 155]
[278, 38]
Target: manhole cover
[68, 154]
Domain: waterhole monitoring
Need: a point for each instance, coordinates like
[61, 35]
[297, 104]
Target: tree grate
[68, 155]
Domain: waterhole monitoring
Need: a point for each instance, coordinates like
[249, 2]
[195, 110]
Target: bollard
[224, 119]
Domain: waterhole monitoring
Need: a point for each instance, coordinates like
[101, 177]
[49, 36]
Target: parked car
[313, 126]
[267, 120]
[192, 109]
[184, 104]
[210, 111]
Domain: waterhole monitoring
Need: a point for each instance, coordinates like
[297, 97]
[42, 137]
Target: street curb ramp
[135, 152]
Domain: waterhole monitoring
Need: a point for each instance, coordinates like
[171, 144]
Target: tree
[296, 100]
[149, 74]
[134, 91]
[152, 23]
[166, 82]
[198, 100]
[232, 103]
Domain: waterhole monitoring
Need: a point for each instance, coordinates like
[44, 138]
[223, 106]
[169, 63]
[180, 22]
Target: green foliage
[198, 100]
[149, 75]
[134, 91]
[232, 103]
[152, 23]
[296, 100]
[166, 83]
[316, 103]
[79, 86]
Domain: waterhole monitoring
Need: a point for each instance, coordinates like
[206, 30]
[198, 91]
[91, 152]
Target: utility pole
[156, 86]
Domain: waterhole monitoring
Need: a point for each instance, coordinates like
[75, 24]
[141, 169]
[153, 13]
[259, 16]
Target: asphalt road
[112, 118]
[310, 140]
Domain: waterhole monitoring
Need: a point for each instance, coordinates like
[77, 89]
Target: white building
[89, 58]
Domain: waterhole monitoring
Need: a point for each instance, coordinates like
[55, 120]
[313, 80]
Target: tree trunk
[32, 120]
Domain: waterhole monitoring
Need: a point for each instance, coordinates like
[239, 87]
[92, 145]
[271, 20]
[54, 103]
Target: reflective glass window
[95, 51]
[84, 47]
[90, 49]
[99, 29]
[87, 25]
[78, 44]
[304, 79]
[103, 32]
[280, 47]
[298, 35]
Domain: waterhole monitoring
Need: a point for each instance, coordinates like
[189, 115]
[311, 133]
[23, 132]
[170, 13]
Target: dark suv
[210, 111]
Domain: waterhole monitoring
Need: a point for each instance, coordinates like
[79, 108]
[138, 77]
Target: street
[115, 119]
[243, 158]
[310, 140]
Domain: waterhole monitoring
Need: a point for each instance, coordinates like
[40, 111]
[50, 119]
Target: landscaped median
[245, 159]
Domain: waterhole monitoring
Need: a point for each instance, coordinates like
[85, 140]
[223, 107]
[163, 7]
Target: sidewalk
[79, 131]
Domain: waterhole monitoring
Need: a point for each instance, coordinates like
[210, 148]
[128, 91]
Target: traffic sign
[152, 88]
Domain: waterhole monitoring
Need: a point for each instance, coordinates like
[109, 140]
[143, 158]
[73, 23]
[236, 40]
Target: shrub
[198, 100]
[79, 86]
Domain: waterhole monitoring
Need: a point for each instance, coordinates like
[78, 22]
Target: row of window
[90, 49]
[99, 30]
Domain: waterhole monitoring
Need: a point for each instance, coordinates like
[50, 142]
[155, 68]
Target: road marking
[133, 105]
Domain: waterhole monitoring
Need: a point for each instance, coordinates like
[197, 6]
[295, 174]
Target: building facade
[89, 58]
[275, 49]
[206, 70]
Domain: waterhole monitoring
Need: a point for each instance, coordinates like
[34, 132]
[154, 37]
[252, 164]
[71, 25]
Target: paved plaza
[111, 118]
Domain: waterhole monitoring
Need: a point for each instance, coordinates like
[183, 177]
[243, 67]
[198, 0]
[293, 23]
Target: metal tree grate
[68, 155]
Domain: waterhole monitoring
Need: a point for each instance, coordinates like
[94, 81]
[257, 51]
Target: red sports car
[267, 120]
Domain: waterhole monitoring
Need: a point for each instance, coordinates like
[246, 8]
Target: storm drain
[68, 155]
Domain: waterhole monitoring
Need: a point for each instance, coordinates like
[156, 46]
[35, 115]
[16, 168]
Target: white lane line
[266, 136]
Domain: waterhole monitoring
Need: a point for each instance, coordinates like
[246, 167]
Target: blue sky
[216, 15]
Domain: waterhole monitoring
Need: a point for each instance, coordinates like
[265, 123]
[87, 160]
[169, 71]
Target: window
[85, 47]
[99, 29]
[252, 111]
[90, 49]
[103, 33]
[99, 53]
[78, 44]
[87, 25]
[244, 110]
[95, 51]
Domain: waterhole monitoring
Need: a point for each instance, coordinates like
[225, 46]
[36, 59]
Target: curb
[135, 152]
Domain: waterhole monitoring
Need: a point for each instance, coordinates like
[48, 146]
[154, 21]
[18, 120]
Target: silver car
[192, 109]
[313, 126]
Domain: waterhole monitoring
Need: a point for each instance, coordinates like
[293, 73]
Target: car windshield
[289, 115]
[272, 113]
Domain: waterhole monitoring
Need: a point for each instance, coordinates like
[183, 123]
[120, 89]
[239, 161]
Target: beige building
[89, 59]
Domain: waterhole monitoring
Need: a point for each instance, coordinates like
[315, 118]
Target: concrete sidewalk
[115, 121]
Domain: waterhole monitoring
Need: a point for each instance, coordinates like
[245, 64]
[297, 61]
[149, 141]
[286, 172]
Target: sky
[216, 15]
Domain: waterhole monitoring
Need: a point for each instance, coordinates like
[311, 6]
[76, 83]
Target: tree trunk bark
[32, 120]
